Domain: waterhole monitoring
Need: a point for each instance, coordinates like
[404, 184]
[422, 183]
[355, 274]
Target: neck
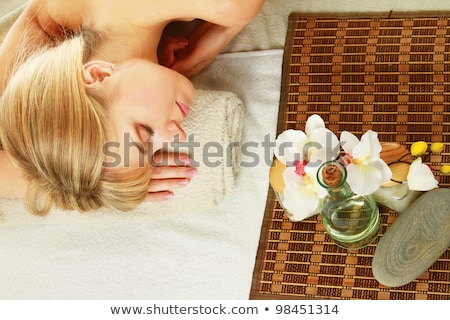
[117, 47]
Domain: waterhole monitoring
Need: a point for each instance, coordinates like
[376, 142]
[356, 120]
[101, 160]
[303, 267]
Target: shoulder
[147, 13]
[224, 12]
[52, 15]
[40, 24]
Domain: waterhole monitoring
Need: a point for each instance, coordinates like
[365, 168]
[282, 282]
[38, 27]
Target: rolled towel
[214, 132]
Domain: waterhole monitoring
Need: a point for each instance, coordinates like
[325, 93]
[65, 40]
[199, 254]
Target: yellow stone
[445, 169]
[276, 175]
[419, 148]
[437, 147]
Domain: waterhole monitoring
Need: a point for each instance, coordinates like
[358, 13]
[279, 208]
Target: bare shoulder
[117, 14]
[224, 12]
[147, 13]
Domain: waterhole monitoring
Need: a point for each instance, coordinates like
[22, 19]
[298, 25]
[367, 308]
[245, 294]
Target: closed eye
[145, 133]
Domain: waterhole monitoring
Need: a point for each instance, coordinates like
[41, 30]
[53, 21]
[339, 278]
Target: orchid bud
[445, 169]
[419, 148]
[437, 147]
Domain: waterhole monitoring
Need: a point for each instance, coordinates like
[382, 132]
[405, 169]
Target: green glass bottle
[351, 220]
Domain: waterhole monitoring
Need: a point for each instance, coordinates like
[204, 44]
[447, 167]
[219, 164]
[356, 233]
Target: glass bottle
[351, 220]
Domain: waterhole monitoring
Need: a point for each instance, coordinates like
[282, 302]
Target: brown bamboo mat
[391, 75]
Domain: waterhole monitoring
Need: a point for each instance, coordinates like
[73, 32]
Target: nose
[175, 132]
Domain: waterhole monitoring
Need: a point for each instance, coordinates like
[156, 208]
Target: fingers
[169, 171]
[168, 52]
[159, 173]
[165, 159]
[166, 184]
[159, 189]
[158, 196]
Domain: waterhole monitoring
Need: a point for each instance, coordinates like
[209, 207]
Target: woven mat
[391, 75]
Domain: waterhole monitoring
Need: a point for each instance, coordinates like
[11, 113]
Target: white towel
[214, 130]
[204, 254]
[9, 12]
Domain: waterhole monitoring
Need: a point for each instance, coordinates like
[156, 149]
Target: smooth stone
[276, 175]
[416, 239]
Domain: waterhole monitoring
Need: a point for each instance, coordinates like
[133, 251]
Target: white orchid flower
[365, 169]
[302, 192]
[420, 177]
[318, 144]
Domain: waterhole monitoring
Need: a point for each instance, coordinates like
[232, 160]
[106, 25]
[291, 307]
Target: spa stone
[416, 239]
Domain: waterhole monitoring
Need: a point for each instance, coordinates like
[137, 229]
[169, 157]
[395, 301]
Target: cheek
[141, 97]
[120, 155]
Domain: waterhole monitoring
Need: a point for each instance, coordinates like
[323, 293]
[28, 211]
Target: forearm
[204, 44]
[12, 182]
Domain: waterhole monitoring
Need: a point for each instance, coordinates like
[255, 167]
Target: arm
[192, 54]
[34, 29]
[12, 183]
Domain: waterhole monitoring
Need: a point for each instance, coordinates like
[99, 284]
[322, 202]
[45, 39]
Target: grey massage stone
[416, 239]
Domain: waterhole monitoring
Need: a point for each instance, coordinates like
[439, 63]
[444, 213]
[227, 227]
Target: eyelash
[148, 131]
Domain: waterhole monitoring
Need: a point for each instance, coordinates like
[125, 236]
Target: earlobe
[95, 72]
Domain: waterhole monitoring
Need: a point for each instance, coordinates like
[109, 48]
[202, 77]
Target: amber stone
[398, 158]
[276, 175]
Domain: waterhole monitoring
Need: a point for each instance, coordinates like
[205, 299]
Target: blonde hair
[54, 130]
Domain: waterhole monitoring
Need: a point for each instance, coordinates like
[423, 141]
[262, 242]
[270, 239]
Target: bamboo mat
[391, 75]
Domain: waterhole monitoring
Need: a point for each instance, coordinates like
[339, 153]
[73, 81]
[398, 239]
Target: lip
[184, 108]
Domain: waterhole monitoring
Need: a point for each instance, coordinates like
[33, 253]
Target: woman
[84, 98]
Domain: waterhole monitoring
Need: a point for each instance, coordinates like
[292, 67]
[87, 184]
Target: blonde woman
[84, 98]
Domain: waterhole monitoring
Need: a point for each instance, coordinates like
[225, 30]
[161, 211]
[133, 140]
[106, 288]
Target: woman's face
[146, 106]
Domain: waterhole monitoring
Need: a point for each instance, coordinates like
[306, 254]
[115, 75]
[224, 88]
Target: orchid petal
[289, 146]
[314, 122]
[290, 177]
[300, 197]
[324, 145]
[364, 180]
[311, 171]
[383, 168]
[369, 148]
[420, 177]
[348, 142]
[300, 201]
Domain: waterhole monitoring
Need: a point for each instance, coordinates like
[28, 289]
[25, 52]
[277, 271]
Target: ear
[95, 72]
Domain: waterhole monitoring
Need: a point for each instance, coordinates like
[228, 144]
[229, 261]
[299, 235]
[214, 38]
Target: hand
[171, 49]
[191, 56]
[169, 171]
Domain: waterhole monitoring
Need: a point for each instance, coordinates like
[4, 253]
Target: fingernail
[185, 159]
[183, 182]
[191, 172]
[168, 195]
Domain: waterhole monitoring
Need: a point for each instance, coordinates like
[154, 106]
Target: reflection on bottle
[351, 220]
